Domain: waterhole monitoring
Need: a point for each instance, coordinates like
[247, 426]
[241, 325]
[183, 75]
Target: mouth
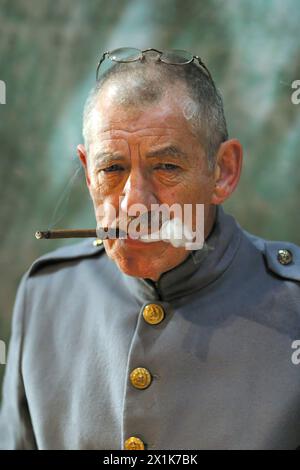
[140, 243]
[171, 231]
[130, 244]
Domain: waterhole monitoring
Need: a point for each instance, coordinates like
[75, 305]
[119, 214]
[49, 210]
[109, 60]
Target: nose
[137, 190]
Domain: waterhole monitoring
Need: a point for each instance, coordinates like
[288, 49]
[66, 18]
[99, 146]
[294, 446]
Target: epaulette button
[284, 256]
[97, 242]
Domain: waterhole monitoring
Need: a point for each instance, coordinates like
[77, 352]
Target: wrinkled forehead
[170, 114]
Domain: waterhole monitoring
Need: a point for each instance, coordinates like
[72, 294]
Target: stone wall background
[48, 55]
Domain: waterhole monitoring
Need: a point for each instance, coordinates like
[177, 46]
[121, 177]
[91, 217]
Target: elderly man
[135, 345]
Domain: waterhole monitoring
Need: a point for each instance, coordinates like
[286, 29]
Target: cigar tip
[38, 235]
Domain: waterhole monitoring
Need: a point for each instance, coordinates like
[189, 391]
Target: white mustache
[172, 231]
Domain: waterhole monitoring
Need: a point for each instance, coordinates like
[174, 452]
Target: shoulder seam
[46, 260]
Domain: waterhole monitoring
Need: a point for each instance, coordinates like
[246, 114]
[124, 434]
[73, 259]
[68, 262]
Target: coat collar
[198, 270]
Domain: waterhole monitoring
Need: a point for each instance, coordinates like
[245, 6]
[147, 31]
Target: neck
[210, 220]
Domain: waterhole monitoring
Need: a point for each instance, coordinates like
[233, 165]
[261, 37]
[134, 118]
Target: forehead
[167, 117]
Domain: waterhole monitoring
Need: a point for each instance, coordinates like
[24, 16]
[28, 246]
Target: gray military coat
[218, 363]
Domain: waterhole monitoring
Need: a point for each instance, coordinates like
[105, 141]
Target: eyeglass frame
[194, 57]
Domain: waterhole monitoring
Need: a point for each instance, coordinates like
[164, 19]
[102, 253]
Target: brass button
[140, 378]
[134, 443]
[97, 242]
[153, 314]
[284, 256]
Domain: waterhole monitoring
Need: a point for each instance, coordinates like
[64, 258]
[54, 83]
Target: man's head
[155, 133]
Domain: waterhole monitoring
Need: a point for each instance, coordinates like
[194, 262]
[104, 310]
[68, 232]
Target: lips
[130, 242]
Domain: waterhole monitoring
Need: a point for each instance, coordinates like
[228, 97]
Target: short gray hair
[144, 83]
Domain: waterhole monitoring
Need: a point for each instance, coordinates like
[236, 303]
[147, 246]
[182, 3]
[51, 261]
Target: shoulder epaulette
[282, 258]
[70, 252]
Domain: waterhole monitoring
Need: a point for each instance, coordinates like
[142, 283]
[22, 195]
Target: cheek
[101, 188]
[98, 186]
[200, 188]
[192, 189]
[106, 212]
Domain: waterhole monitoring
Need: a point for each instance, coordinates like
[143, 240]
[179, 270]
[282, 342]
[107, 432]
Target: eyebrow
[108, 157]
[169, 150]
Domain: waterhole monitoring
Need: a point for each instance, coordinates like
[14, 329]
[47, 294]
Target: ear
[82, 154]
[227, 170]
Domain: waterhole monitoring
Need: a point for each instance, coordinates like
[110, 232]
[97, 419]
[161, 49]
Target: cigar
[102, 233]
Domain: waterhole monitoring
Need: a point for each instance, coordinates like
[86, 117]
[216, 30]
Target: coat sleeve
[16, 432]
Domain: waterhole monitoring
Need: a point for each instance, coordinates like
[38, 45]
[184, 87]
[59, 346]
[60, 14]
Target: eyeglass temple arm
[204, 66]
[100, 62]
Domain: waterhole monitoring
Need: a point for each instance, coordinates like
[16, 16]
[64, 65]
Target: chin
[138, 267]
[143, 274]
[135, 261]
[148, 261]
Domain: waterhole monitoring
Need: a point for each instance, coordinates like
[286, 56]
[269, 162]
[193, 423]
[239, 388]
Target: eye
[113, 168]
[166, 166]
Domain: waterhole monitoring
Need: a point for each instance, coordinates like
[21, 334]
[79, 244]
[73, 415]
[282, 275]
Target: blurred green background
[48, 56]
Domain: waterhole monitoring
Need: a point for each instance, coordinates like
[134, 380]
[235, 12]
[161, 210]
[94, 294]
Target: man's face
[146, 156]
